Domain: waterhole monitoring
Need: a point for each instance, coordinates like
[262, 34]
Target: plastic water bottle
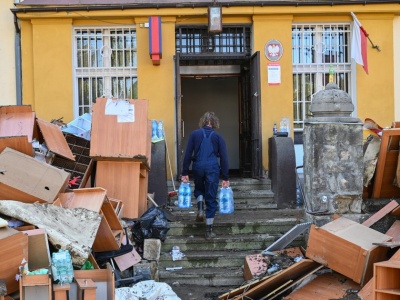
[298, 196]
[154, 126]
[160, 130]
[226, 205]
[184, 195]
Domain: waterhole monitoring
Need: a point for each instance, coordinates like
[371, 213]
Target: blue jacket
[193, 146]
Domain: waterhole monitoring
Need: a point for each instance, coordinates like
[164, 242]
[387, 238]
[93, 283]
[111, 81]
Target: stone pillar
[333, 155]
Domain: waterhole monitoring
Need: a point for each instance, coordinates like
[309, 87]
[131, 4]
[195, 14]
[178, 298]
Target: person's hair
[209, 118]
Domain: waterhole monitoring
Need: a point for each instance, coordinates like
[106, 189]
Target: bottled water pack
[185, 195]
[226, 203]
[61, 266]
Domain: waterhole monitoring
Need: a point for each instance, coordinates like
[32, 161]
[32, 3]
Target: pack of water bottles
[61, 267]
[226, 202]
[185, 195]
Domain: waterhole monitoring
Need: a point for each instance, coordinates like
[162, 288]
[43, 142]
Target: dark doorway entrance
[235, 98]
[216, 73]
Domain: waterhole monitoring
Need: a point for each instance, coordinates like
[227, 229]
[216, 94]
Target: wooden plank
[113, 139]
[17, 123]
[325, 286]
[381, 213]
[293, 272]
[387, 164]
[127, 188]
[355, 244]
[18, 143]
[55, 140]
[89, 198]
[14, 248]
[394, 231]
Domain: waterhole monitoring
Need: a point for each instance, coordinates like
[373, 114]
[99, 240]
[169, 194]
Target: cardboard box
[26, 179]
[37, 286]
[14, 248]
[347, 247]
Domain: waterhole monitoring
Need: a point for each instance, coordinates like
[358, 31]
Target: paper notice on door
[117, 107]
[129, 117]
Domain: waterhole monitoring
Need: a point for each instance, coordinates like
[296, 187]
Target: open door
[178, 112]
[250, 119]
[255, 110]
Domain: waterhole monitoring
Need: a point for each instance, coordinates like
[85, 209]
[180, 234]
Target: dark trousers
[206, 180]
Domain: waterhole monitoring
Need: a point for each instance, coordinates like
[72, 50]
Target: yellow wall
[276, 100]
[396, 62]
[47, 59]
[7, 54]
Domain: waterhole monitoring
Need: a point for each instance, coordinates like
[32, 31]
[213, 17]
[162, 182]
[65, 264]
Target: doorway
[220, 95]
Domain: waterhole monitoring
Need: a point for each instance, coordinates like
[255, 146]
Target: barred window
[105, 64]
[317, 48]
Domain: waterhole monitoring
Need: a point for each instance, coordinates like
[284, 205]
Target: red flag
[359, 44]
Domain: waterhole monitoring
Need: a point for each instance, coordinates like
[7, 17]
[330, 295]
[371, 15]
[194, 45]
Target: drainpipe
[18, 70]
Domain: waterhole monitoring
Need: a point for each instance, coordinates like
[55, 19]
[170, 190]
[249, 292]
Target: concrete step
[231, 277]
[219, 243]
[206, 259]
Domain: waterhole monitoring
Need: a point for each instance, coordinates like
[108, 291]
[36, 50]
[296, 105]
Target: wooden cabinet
[386, 280]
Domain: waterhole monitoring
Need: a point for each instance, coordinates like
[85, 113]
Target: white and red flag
[359, 44]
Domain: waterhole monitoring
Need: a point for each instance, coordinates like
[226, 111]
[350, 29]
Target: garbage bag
[153, 224]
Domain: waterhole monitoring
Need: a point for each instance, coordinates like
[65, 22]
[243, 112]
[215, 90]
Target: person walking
[205, 146]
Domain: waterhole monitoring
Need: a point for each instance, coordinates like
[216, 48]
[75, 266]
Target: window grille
[105, 64]
[197, 40]
[315, 49]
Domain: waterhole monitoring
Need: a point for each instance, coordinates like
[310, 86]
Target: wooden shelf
[386, 280]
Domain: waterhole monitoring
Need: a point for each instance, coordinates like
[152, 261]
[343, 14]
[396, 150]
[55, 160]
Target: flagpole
[366, 33]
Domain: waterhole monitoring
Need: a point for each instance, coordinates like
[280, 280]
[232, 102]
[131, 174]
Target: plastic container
[226, 202]
[185, 195]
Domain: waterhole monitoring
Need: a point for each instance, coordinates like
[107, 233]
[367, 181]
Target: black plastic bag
[153, 224]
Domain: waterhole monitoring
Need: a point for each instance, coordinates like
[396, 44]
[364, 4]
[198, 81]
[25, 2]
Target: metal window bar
[315, 49]
[196, 40]
[105, 64]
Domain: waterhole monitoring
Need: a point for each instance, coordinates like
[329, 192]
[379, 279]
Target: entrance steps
[255, 224]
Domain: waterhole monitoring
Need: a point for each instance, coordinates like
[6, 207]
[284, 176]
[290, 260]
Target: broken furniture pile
[70, 190]
[343, 260]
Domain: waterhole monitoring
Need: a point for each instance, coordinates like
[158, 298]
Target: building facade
[251, 62]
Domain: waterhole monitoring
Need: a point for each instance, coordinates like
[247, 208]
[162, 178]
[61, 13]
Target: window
[316, 48]
[105, 64]
[197, 40]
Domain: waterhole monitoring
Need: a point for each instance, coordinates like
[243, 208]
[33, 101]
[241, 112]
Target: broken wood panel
[18, 143]
[353, 241]
[394, 231]
[387, 164]
[18, 123]
[381, 213]
[54, 138]
[126, 188]
[26, 179]
[294, 272]
[14, 248]
[110, 230]
[325, 286]
[113, 139]
[89, 198]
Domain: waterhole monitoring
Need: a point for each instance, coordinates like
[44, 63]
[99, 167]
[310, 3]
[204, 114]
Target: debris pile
[80, 188]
